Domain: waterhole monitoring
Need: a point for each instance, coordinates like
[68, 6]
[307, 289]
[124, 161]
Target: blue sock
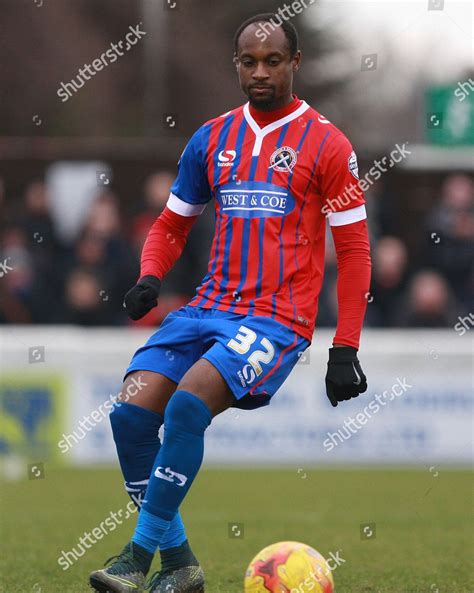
[176, 466]
[175, 535]
[149, 530]
[135, 431]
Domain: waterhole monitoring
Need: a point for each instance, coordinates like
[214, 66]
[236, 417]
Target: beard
[265, 102]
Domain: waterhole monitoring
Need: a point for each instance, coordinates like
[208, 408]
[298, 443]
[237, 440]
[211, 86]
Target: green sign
[450, 114]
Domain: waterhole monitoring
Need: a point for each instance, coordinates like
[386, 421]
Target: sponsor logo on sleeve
[353, 166]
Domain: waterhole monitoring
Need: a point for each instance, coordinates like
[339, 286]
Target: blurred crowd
[45, 279]
[428, 282]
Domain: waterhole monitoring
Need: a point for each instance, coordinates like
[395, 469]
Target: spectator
[388, 281]
[450, 235]
[85, 305]
[104, 250]
[26, 295]
[429, 302]
[44, 246]
[36, 220]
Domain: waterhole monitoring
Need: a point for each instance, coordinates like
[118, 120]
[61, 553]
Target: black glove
[345, 378]
[141, 299]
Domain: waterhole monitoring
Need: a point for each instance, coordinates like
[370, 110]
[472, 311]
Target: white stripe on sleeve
[347, 216]
[179, 206]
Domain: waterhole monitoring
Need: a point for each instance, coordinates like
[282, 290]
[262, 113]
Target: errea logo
[226, 158]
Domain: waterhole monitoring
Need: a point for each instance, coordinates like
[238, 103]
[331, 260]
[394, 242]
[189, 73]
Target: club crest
[283, 159]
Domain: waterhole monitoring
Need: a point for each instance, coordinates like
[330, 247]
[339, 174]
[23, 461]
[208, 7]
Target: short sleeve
[192, 185]
[339, 178]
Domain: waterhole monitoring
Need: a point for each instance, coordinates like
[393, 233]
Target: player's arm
[162, 249]
[167, 237]
[345, 210]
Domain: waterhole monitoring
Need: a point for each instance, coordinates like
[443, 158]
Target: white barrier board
[418, 408]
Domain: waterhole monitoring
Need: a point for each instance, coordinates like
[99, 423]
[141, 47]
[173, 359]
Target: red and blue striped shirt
[275, 177]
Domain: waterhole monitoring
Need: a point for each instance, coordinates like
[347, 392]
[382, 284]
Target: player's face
[265, 67]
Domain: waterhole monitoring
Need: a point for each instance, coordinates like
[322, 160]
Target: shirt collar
[264, 118]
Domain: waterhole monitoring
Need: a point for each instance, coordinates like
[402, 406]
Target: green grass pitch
[423, 526]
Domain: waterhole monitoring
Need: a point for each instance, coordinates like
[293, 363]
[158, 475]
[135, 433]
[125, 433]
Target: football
[288, 567]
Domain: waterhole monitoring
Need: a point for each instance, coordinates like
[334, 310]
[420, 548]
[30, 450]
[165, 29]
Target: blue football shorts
[254, 354]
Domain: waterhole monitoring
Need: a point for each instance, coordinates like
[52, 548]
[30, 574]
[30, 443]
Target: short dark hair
[270, 17]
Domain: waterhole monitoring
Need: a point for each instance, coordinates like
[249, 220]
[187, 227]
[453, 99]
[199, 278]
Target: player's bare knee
[141, 389]
[213, 392]
[133, 385]
[147, 389]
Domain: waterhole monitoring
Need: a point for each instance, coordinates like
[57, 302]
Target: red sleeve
[351, 242]
[339, 177]
[165, 243]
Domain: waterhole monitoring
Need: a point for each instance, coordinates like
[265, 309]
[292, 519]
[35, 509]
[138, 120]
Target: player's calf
[135, 431]
[177, 463]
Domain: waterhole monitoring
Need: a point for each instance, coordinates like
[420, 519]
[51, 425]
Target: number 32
[242, 342]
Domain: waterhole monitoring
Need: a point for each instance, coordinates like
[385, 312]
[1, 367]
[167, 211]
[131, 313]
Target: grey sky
[439, 41]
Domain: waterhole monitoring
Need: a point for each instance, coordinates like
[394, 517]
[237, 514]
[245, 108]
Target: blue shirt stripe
[227, 229]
